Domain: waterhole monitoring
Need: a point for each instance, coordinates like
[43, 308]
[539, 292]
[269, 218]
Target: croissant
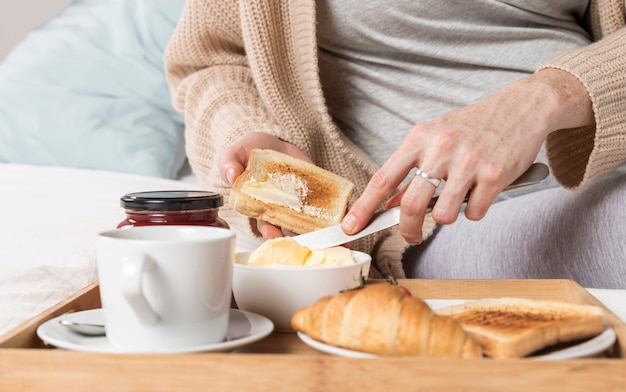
[384, 319]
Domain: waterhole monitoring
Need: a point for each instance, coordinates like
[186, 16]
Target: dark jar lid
[171, 200]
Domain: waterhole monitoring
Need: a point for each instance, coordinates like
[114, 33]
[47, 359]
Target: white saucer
[244, 328]
[587, 348]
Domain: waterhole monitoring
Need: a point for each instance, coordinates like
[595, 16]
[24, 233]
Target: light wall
[18, 17]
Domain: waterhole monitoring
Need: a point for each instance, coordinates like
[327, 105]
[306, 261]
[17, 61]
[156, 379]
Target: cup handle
[131, 281]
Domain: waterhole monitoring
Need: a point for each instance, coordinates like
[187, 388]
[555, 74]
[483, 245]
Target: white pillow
[87, 89]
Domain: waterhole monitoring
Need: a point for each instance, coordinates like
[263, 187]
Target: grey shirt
[387, 65]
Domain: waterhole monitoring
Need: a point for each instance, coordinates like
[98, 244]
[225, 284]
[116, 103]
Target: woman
[464, 92]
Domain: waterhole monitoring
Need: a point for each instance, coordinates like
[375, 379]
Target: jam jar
[196, 208]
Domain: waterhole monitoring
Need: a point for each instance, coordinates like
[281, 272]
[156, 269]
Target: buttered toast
[290, 193]
[517, 327]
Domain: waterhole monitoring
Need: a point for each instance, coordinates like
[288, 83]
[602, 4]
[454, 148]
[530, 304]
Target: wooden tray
[283, 362]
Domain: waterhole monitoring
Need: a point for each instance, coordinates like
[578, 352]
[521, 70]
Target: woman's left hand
[234, 159]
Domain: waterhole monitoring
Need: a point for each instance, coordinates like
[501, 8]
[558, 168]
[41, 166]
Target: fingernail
[230, 175]
[348, 224]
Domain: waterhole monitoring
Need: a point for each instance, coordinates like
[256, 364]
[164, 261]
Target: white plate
[330, 349]
[243, 328]
[587, 348]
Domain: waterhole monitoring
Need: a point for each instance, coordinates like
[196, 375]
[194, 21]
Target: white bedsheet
[49, 218]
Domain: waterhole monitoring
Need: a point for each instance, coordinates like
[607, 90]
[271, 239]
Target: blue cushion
[87, 89]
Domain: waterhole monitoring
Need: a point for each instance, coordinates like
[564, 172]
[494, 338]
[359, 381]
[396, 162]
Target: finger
[480, 200]
[232, 163]
[481, 188]
[380, 186]
[477, 206]
[268, 231]
[413, 207]
[397, 198]
[230, 172]
[450, 200]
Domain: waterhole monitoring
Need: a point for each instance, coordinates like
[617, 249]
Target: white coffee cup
[165, 287]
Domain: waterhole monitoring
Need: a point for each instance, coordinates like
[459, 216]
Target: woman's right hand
[482, 147]
[234, 159]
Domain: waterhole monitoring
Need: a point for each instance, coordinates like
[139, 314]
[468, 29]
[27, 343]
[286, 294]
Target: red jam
[196, 208]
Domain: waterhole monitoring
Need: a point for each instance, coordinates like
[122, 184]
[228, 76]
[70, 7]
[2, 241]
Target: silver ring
[434, 181]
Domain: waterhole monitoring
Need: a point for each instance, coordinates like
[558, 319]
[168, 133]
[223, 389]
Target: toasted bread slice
[516, 327]
[290, 193]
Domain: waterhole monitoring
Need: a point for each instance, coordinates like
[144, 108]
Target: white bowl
[277, 292]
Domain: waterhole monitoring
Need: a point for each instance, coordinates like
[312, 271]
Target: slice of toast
[516, 327]
[290, 193]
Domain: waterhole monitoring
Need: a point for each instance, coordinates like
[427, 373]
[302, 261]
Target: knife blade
[333, 235]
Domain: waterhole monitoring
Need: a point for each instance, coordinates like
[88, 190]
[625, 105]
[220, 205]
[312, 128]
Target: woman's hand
[482, 148]
[234, 160]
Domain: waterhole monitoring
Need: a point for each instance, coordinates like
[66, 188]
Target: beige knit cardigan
[237, 66]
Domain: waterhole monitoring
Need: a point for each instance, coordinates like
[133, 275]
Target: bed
[85, 117]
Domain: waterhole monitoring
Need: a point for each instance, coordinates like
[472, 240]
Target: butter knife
[333, 235]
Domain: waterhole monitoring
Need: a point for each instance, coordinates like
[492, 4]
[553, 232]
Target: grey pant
[551, 233]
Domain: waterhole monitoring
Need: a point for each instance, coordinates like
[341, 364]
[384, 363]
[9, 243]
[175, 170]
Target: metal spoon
[84, 328]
